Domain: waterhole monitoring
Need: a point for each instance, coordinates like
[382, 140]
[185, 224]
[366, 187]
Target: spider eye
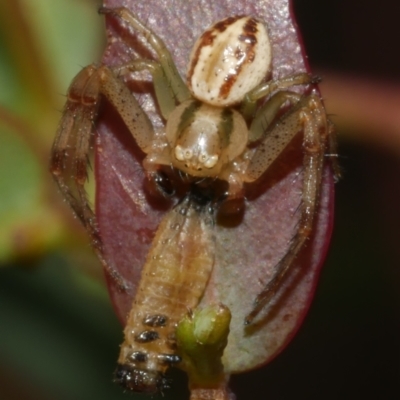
[208, 161]
[183, 154]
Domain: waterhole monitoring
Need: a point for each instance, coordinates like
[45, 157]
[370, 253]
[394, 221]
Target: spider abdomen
[228, 60]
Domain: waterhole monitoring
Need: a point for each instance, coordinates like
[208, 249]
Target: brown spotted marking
[207, 39]
[229, 60]
[246, 55]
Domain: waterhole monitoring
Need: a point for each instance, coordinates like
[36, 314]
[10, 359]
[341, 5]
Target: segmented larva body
[173, 280]
[221, 393]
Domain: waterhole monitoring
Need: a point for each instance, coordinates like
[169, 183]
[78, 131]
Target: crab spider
[227, 124]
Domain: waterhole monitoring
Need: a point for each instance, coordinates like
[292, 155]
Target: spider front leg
[308, 116]
[176, 85]
[70, 152]
[169, 87]
[237, 172]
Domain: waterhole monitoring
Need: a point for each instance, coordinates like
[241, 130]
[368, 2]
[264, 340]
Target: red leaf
[246, 252]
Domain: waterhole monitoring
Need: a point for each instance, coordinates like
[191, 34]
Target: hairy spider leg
[308, 116]
[172, 76]
[267, 88]
[73, 140]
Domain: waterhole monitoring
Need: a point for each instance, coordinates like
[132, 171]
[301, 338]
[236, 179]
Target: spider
[225, 127]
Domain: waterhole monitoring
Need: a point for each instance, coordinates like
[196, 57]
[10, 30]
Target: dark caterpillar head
[139, 380]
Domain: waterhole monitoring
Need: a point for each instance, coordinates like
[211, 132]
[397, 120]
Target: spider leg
[333, 153]
[309, 116]
[268, 113]
[237, 173]
[166, 99]
[176, 83]
[71, 148]
[265, 89]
